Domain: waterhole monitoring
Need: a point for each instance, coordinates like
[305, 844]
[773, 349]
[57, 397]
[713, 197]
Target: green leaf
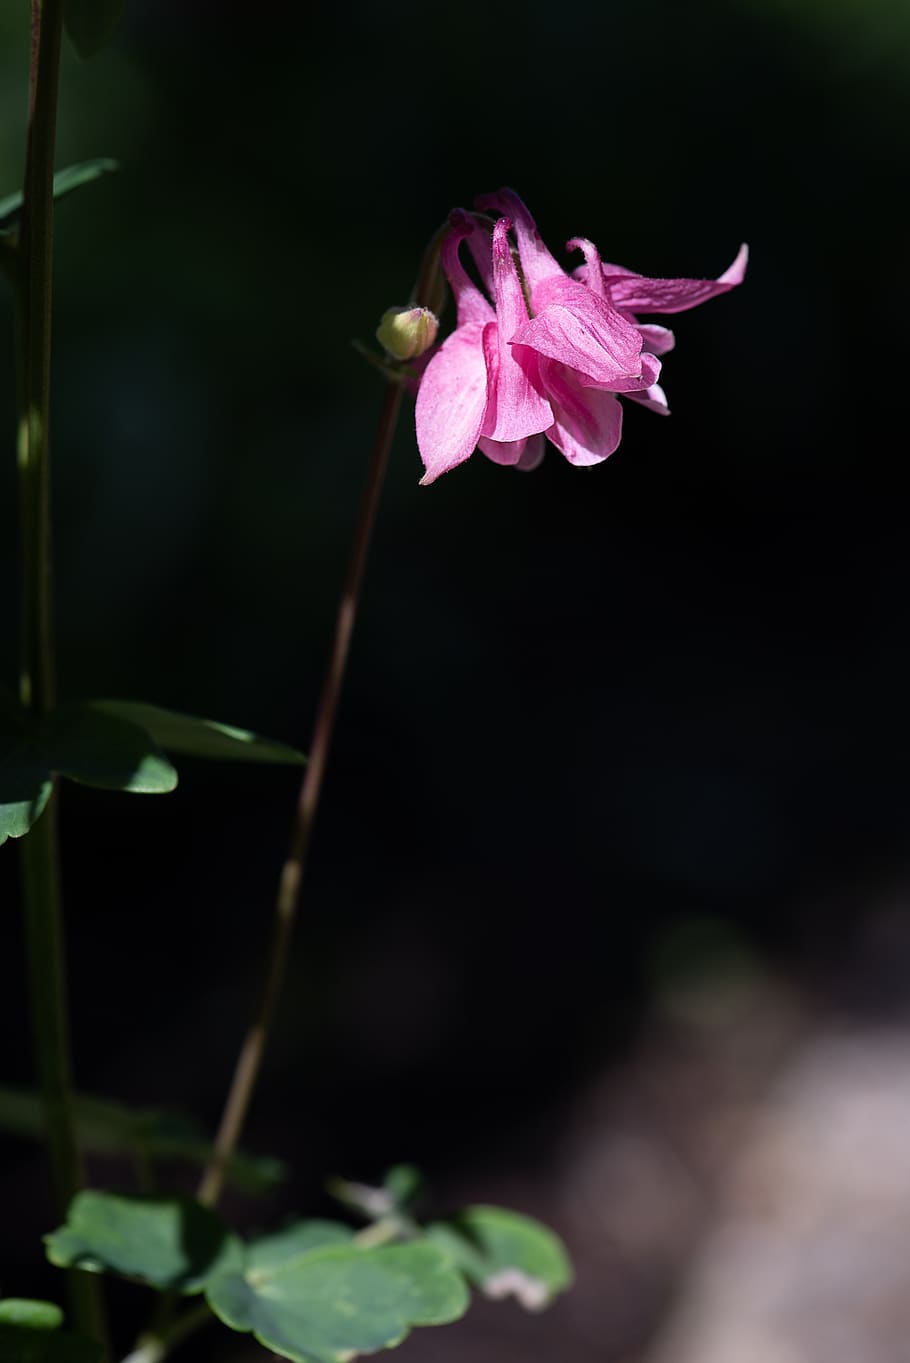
[97, 749]
[506, 1254]
[200, 737]
[35, 1315]
[90, 24]
[108, 1128]
[402, 1183]
[281, 1248]
[327, 1305]
[25, 778]
[30, 1333]
[65, 181]
[171, 1243]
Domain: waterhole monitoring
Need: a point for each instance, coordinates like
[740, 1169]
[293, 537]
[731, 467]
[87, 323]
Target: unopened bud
[407, 332]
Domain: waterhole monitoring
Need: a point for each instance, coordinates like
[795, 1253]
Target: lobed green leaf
[176, 732]
[102, 750]
[506, 1254]
[327, 1305]
[25, 778]
[171, 1243]
[35, 1315]
[30, 1333]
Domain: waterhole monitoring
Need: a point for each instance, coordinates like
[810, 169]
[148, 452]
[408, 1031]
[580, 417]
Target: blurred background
[608, 892]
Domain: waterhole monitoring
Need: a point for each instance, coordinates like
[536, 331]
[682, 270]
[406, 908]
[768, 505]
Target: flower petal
[515, 408]
[593, 266]
[650, 371]
[588, 421]
[636, 293]
[583, 331]
[472, 307]
[451, 401]
[657, 339]
[654, 398]
[533, 454]
[536, 261]
[503, 451]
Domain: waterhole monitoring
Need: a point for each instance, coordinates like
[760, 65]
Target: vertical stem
[40, 851]
[249, 1060]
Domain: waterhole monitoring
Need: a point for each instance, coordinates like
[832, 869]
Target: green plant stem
[152, 1347]
[40, 852]
[249, 1060]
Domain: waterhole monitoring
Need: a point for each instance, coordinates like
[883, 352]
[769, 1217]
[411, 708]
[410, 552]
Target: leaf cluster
[316, 1291]
[110, 744]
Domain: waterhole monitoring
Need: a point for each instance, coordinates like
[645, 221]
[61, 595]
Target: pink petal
[654, 398]
[650, 372]
[657, 339]
[584, 332]
[636, 293]
[504, 452]
[536, 261]
[593, 266]
[479, 246]
[588, 421]
[473, 308]
[515, 409]
[533, 454]
[452, 401]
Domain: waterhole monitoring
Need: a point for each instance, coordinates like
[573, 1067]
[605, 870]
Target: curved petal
[637, 293]
[473, 308]
[536, 261]
[659, 340]
[650, 371]
[593, 277]
[588, 421]
[534, 451]
[515, 409]
[451, 401]
[503, 451]
[654, 398]
[583, 332]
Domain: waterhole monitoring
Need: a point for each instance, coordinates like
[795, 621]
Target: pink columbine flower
[473, 391]
[554, 354]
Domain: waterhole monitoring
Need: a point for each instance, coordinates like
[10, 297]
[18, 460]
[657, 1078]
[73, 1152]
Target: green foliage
[325, 1305]
[90, 24]
[315, 1292]
[25, 788]
[113, 745]
[142, 1134]
[506, 1254]
[36, 1315]
[30, 1333]
[171, 1243]
[98, 749]
[65, 181]
[199, 737]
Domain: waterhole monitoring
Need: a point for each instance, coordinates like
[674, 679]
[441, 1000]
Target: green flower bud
[406, 333]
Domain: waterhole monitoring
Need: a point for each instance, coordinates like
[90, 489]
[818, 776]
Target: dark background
[585, 708]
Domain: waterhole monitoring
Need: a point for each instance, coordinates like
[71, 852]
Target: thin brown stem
[249, 1060]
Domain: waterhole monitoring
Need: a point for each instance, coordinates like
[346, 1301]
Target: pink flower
[473, 391]
[552, 356]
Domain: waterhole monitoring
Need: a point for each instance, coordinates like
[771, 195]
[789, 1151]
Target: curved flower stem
[40, 852]
[249, 1060]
